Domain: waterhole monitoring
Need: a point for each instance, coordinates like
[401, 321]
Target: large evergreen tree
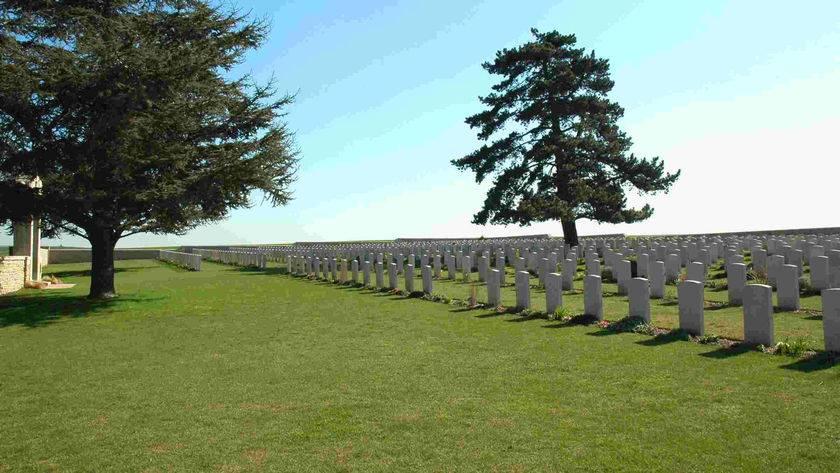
[555, 149]
[127, 112]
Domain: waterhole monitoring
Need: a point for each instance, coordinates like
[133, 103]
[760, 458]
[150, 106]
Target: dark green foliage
[555, 149]
[126, 111]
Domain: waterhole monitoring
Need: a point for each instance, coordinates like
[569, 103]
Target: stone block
[656, 276]
[523, 290]
[696, 272]
[831, 319]
[758, 315]
[672, 268]
[690, 297]
[819, 272]
[736, 280]
[553, 292]
[427, 279]
[787, 289]
[622, 275]
[638, 291]
[494, 292]
[593, 303]
[409, 278]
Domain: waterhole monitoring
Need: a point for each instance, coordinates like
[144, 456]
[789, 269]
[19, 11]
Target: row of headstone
[659, 261]
[245, 258]
[190, 261]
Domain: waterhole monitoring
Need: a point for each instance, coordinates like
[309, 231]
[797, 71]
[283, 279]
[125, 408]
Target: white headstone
[569, 272]
[593, 303]
[494, 295]
[622, 275]
[393, 282]
[409, 277]
[758, 314]
[787, 291]
[819, 272]
[690, 295]
[672, 268]
[553, 292]
[696, 272]
[736, 280]
[523, 290]
[831, 319]
[427, 279]
[638, 290]
[656, 275]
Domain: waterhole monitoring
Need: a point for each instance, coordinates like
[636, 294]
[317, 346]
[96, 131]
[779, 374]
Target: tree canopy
[129, 112]
[552, 142]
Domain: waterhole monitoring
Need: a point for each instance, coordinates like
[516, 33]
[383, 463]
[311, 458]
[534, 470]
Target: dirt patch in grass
[275, 408]
[257, 456]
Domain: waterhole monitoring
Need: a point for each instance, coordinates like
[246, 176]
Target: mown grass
[721, 319]
[242, 370]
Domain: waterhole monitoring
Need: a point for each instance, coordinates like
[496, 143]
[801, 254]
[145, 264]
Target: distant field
[230, 369]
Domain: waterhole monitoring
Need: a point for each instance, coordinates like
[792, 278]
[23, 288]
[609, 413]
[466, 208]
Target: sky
[742, 96]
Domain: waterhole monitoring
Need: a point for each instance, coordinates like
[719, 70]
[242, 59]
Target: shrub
[532, 314]
[757, 276]
[717, 285]
[561, 313]
[708, 339]
[797, 348]
[806, 289]
[632, 324]
[607, 276]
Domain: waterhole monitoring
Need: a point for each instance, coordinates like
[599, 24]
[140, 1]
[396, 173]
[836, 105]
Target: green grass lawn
[236, 370]
[720, 318]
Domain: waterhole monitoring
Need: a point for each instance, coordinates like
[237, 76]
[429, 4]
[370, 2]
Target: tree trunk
[570, 234]
[102, 265]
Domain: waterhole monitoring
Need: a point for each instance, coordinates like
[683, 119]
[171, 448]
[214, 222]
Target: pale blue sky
[742, 96]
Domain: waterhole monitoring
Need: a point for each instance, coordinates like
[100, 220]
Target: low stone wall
[83, 255]
[13, 270]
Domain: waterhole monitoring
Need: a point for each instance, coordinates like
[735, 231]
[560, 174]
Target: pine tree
[555, 149]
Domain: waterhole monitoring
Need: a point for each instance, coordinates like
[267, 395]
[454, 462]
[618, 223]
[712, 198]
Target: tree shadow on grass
[350, 287]
[463, 309]
[273, 271]
[527, 318]
[390, 296]
[85, 273]
[41, 309]
[820, 361]
[579, 320]
[728, 352]
[494, 313]
[665, 338]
